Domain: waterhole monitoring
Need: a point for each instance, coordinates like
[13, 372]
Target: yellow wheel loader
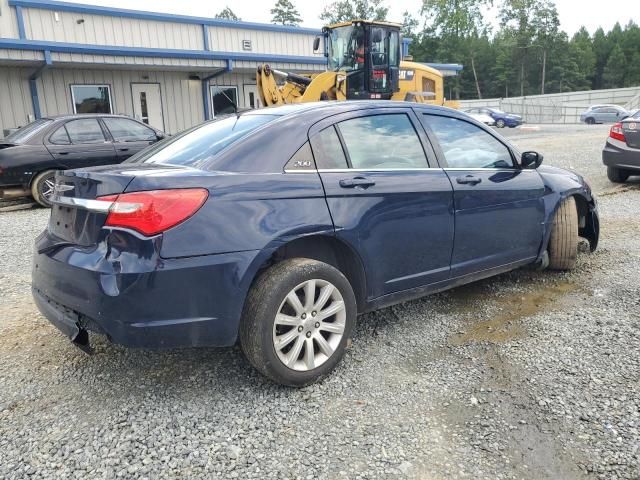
[363, 62]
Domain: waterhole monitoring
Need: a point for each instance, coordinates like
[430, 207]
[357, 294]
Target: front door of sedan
[499, 209]
[81, 143]
[384, 199]
[129, 136]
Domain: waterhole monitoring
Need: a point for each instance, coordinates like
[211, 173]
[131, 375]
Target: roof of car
[66, 116]
[297, 108]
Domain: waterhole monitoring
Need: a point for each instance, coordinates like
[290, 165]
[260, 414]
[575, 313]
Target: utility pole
[475, 76]
[544, 68]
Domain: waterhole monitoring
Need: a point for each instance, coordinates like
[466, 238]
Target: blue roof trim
[162, 17]
[61, 47]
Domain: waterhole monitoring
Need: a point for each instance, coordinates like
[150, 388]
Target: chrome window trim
[86, 203]
[344, 170]
[493, 169]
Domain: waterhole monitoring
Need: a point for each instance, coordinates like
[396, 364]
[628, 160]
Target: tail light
[617, 132]
[152, 212]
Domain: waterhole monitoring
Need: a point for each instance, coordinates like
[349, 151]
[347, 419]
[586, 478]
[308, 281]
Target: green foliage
[527, 48]
[285, 13]
[228, 14]
[344, 10]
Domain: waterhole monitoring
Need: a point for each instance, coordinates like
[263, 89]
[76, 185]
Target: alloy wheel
[47, 189]
[309, 325]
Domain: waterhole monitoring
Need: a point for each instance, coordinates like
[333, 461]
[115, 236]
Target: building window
[224, 99]
[91, 98]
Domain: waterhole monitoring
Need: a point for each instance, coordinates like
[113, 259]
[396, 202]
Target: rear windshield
[23, 134]
[195, 147]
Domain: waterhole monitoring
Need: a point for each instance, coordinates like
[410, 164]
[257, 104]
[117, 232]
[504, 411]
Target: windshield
[23, 134]
[346, 48]
[195, 147]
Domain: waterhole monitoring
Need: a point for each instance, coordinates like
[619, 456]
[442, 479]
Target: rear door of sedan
[81, 143]
[387, 196]
[499, 207]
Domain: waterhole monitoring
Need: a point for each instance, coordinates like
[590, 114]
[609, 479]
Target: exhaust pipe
[12, 193]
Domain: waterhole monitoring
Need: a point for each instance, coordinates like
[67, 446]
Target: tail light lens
[617, 132]
[153, 211]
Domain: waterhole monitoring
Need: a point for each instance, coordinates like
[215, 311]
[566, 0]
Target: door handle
[361, 182]
[468, 180]
[123, 149]
[63, 153]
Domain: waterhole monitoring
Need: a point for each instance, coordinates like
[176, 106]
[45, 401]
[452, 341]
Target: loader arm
[297, 88]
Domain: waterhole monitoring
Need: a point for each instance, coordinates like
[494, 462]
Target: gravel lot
[528, 375]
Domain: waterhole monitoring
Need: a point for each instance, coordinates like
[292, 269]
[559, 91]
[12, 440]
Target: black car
[621, 153]
[30, 156]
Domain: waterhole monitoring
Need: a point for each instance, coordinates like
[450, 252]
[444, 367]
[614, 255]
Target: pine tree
[285, 13]
[228, 14]
[345, 10]
[613, 75]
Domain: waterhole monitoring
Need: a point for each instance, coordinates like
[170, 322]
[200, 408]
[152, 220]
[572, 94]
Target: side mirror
[531, 160]
[316, 44]
[160, 135]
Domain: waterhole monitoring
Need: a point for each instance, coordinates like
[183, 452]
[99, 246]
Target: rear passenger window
[467, 146]
[382, 141]
[327, 150]
[86, 130]
[60, 137]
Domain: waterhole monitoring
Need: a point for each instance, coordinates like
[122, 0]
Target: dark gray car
[30, 156]
[621, 153]
[603, 114]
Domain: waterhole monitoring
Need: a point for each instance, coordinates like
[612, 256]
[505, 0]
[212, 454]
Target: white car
[481, 117]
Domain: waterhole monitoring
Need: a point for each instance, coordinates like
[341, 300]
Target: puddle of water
[506, 324]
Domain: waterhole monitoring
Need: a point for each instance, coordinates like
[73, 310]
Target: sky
[573, 13]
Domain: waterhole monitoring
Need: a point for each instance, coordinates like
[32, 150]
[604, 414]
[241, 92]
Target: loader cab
[369, 55]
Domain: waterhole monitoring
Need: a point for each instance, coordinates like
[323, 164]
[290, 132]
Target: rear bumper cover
[619, 155]
[149, 303]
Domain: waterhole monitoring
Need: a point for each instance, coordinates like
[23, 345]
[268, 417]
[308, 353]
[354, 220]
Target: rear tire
[297, 342]
[590, 121]
[42, 188]
[617, 175]
[563, 243]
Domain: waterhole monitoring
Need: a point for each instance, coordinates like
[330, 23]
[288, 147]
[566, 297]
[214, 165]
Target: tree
[459, 24]
[344, 10]
[613, 75]
[546, 24]
[228, 14]
[285, 13]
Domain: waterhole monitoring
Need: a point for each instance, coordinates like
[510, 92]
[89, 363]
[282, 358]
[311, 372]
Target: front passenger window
[465, 145]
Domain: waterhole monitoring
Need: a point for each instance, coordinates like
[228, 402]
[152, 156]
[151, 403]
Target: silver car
[603, 114]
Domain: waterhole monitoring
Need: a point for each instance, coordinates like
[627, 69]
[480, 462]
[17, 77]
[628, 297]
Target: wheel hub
[309, 325]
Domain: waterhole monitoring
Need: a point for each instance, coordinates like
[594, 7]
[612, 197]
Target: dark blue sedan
[279, 226]
[502, 119]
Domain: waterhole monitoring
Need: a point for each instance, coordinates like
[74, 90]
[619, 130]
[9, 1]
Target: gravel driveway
[528, 375]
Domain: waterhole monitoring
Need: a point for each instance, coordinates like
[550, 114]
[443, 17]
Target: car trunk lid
[77, 217]
[631, 130]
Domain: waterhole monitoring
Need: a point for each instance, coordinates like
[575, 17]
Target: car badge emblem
[633, 126]
[61, 187]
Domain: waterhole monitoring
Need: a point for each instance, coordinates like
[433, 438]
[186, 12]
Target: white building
[171, 71]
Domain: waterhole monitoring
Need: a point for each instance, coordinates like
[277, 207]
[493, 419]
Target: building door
[147, 104]
[251, 99]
